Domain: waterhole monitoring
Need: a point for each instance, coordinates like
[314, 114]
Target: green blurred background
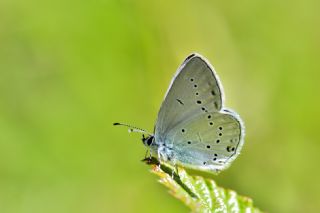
[69, 69]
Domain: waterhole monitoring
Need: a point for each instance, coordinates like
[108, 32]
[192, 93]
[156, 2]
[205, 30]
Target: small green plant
[198, 193]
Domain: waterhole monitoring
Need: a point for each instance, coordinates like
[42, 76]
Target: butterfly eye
[148, 141]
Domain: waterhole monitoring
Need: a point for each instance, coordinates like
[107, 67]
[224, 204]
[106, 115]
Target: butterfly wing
[195, 84]
[209, 141]
[193, 122]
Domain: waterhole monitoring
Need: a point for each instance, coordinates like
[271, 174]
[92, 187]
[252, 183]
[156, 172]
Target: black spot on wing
[204, 109]
[180, 102]
[231, 149]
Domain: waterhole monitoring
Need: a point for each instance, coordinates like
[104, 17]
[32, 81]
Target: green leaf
[198, 193]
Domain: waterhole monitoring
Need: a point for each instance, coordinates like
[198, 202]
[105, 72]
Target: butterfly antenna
[132, 128]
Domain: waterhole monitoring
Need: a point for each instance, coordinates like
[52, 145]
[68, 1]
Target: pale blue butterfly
[193, 128]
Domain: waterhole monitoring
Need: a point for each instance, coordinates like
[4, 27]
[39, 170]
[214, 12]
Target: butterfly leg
[159, 158]
[175, 169]
[147, 152]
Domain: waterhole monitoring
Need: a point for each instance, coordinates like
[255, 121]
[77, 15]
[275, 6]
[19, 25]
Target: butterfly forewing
[194, 90]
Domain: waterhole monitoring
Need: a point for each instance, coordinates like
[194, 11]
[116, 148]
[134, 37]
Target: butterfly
[193, 128]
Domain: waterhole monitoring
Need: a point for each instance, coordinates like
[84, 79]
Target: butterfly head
[147, 141]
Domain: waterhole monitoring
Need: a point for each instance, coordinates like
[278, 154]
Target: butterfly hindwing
[209, 141]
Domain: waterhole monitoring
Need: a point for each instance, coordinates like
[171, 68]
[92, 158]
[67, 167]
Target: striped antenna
[132, 128]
